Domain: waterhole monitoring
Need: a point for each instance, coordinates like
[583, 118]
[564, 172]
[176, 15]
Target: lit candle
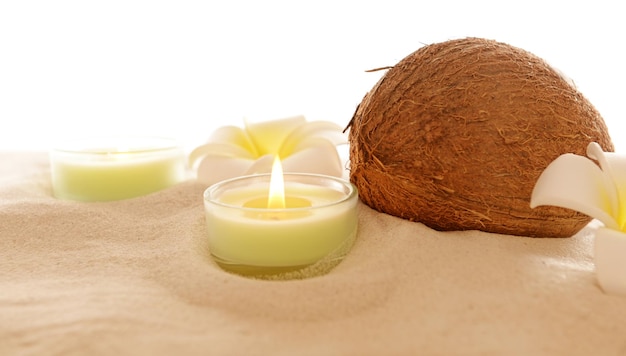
[115, 168]
[281, 226]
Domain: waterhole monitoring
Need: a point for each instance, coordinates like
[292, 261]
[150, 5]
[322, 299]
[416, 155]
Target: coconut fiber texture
[456, 134]
[134, 277]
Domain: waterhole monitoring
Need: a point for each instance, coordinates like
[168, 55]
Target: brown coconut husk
[456, 134]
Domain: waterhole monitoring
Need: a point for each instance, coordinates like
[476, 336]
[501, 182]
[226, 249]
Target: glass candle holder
[309, 237]
[114, 168]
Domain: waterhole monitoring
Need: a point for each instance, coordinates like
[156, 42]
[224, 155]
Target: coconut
[456, 134]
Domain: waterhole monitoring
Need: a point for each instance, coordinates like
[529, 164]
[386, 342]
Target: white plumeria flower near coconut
[302, 146]
[578, 183]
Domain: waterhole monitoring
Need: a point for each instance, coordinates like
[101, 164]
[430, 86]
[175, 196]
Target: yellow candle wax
[317, 225]
[113, 170]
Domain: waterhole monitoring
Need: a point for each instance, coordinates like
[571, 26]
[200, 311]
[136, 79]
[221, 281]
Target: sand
[135, 277]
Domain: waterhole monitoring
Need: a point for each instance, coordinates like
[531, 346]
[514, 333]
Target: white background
[182, 68]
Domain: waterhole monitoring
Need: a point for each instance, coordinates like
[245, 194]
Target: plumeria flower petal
[213, 168]
[299, 137]
[268, 136]
[308, 159]
[234, 135]
[578, 183]
[219, 150]
[262, 164]
[615, 166]
[301, 145]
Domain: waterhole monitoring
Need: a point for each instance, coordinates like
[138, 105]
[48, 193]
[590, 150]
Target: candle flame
[276, 199]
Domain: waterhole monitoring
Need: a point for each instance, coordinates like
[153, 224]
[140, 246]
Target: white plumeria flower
[578, 183]
[302, 146]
